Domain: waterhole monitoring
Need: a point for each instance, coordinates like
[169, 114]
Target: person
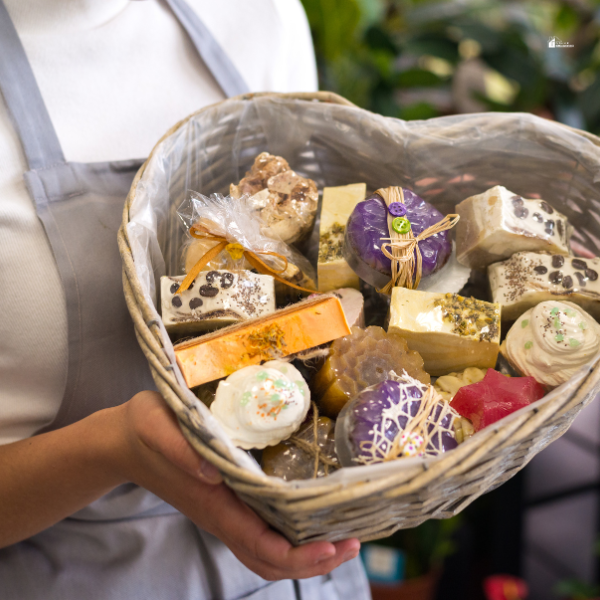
[100, 494]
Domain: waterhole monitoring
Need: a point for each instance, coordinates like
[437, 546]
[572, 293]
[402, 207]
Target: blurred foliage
[416, 59]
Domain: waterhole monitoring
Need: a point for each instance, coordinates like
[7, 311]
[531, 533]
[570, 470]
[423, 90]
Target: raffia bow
[202, 233]
[401, 249]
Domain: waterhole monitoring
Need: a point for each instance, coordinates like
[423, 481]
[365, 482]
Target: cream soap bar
[449, 331]
[214, 300]
[528, 278]
[338, 204]
[496, 224]
[287, 331]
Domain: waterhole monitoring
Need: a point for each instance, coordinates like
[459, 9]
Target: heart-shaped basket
[333, 142]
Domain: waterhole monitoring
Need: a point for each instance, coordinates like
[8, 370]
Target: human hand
[157, 457]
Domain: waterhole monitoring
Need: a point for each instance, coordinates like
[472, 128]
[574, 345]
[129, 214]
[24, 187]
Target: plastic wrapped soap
[368, 224]
[359, 360]
[394, 419]
[299, 457]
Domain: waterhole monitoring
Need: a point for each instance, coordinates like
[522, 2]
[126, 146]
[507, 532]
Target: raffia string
[424, 423]
[401, 248]
[202, 233]
[313, 449]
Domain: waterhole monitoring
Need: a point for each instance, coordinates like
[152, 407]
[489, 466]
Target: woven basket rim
[289, 496]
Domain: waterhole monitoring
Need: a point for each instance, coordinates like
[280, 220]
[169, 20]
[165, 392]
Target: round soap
[381, 414]
[368, 224]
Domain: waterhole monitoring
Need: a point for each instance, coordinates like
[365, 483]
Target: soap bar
[215, 299]
[285, 201]
[552, 341]
[261, 405]
[496, 224]
[448, 385]
[359, 360]
[397, 418]
[528, 278]
[338, 204]
[494, 397]
[368, 224]
[287, 331]
[301, 457]
[449, 331]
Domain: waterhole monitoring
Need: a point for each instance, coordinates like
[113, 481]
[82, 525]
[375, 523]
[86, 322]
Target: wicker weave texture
[328, 139]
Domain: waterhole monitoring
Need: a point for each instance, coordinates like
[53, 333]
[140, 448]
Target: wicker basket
[444, 160]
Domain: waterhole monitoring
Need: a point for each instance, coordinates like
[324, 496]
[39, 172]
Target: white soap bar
[449, 331]
[496, 224]
[338, 204]
[215, 299]
[528, 278]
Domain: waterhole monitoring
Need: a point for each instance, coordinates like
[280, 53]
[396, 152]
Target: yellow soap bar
[293, 329]
[449, 331]
[338, 204]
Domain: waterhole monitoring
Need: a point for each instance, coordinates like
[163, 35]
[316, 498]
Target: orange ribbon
[201, 233]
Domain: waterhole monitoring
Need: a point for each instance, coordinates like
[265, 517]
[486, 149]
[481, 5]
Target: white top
[115, 76]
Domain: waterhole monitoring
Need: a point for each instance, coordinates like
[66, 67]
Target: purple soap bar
[368, 425]
[368, 224]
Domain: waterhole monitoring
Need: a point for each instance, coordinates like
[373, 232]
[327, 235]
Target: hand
[161, 460]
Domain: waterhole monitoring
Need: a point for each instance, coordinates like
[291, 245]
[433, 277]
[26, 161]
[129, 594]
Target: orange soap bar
[287, 331]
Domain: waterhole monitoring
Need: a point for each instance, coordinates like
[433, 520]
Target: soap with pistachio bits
[449, 331]
[497, 223]
[528, 278]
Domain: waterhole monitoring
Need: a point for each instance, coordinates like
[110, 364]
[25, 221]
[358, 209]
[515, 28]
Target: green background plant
[407, 59]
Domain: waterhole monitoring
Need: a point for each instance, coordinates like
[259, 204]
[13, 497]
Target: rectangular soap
[293, 329]
[215, 299]
[338, 204]
[496, 224]
[449, 331]
[528, 278]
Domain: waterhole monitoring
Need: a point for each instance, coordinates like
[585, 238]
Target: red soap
[494, 397]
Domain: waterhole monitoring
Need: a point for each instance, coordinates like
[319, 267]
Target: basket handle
[327, 97]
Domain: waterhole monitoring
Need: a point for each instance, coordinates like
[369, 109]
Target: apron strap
[211, 52]
[25, 103]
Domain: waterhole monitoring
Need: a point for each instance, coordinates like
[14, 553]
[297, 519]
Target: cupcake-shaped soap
[368, 224]
[261, 405]
[552, 341]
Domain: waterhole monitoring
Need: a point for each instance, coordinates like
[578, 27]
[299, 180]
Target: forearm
[48, 477]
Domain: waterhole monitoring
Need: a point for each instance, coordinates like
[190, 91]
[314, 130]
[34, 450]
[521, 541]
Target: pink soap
[494, 397]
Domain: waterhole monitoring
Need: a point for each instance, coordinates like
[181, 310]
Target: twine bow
[237, 251]
[313, 449]
[402, 248]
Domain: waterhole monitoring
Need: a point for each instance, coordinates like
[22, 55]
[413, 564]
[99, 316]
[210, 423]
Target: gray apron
[128, 544]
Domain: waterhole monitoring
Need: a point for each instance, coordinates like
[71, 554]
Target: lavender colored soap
[368, 425]
[368, 224]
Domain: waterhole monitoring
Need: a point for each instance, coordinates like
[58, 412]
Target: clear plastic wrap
[208, 219]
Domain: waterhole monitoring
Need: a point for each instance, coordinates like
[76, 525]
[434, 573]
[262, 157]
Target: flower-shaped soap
[261, 405]
[367, 226]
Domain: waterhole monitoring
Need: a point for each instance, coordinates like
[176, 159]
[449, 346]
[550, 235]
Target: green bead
[528, 345]
[524, 323]
[559, 337]
[582, 325]
[554, 311]
[246, 397]
[573, 342]
[401, 225]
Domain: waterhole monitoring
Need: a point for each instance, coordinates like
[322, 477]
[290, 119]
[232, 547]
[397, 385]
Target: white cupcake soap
[262, 405]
